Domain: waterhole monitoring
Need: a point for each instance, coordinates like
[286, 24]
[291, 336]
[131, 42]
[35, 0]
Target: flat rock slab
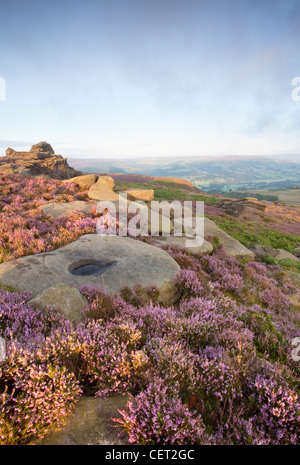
[91, 424]
[118, 262]
[232, 247]
[56, 209]
[141, 194]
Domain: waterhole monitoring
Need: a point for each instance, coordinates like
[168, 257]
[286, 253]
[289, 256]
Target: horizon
[129, 79]
[80, 157]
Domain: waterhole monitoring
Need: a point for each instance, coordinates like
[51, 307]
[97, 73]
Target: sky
[140, 78]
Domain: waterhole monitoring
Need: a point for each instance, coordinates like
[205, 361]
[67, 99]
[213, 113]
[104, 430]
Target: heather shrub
[24, 323]
[154, 417]
[225, 270]
[174, 364]
[34, 396]
[209, 322]
[188, 283]
[217, 391]
[96, 355]
[267, 339]
[274, 410]
[140, 295]
[100, 304]
[153, 320]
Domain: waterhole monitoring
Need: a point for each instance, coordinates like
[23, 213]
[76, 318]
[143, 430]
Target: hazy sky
[117, 78]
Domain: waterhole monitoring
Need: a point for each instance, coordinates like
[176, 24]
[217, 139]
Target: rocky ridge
[40, 160]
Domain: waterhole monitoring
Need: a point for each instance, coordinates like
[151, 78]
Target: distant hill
[208, 174]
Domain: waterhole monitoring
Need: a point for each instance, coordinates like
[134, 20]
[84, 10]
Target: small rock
[84, 182]
[108, 180]
[141, 194]
[65, 299]
[102, 191]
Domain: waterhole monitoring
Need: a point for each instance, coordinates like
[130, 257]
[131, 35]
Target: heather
[25, 229]
[215, 368]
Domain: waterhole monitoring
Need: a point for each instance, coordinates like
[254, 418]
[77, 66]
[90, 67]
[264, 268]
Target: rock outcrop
[40, 160]
[247, 208]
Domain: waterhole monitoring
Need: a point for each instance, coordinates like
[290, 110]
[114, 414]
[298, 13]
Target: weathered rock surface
[108, 180]
[56, 209]
[40, 160]
[141, 194]
[84, 181]
[232, 247]
[65, 299]
[101, 190]
[280, 254]
[42, 148]
[247, 208]
[91, 424]
[117, 262]
[195, 244]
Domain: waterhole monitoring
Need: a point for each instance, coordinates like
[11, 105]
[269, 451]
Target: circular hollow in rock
[90, 267]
